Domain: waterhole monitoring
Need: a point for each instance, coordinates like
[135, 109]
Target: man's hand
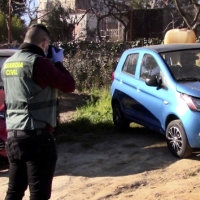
[57, 56]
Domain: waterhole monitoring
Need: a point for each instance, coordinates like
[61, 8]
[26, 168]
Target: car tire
[177, 140]
[120, 123]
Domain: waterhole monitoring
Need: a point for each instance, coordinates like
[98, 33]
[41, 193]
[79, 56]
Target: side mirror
[154, 81]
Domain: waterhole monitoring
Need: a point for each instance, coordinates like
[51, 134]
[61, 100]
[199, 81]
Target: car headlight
[192, 102]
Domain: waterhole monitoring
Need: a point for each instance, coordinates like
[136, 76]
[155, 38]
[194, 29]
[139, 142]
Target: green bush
[92, 63]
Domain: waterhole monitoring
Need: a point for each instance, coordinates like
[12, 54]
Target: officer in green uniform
[30, 82]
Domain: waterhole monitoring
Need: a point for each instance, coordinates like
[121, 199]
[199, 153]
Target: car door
[133, 100]
[150, 98]
[126, 87]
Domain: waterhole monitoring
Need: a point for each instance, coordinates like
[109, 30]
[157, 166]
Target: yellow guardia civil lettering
[11, 72]
[14, 65]
[11, 68]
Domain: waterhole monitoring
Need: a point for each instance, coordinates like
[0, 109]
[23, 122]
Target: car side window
[130, 64]
[149, 67]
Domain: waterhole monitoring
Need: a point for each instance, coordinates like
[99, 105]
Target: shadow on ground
[98, 155]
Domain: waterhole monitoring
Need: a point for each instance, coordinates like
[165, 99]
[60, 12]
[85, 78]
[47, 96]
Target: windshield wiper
[188, 79]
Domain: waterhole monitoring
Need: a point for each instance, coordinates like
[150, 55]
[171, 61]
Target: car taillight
[113, 76]
[193, 103]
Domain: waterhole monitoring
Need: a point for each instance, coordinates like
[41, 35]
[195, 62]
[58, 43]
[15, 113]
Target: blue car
[159, 87]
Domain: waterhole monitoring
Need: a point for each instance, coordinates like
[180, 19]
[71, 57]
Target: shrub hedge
[92, 63]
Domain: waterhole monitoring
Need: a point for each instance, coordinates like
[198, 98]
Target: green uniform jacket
[28, 105]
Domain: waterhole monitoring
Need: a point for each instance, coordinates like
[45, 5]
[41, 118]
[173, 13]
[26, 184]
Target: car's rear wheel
[177, 140]
[120, 123]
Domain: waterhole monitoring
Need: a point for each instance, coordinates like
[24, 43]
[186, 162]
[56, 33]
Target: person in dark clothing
[30, 82]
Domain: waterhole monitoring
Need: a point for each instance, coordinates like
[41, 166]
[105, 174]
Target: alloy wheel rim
[175, 139]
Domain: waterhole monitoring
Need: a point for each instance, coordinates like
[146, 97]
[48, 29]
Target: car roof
[160, 48]
[7, 52]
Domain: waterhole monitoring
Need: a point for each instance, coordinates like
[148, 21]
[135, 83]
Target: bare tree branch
[178, 6]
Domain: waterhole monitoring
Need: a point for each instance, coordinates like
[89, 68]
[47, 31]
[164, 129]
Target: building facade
[84, 20]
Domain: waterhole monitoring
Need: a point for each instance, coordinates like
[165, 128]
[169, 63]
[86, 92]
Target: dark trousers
[32, 161]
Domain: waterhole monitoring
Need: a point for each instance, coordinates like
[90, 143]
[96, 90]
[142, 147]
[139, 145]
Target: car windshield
[184, 64]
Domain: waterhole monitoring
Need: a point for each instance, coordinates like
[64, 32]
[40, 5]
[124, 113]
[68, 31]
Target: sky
[33, 3]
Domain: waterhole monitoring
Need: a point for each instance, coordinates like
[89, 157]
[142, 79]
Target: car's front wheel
[120, 123]
[177, 140]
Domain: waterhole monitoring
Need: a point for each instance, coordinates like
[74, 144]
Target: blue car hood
[190, 88]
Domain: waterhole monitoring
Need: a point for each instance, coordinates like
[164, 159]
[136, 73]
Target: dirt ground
[119, 166]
